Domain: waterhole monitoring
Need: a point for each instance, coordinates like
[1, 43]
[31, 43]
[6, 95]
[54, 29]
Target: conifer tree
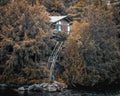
[76, 7]
[54, 7]
[22, 29]
[97, 56]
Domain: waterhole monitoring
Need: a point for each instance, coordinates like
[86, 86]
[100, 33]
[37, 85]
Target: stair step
[53, 58]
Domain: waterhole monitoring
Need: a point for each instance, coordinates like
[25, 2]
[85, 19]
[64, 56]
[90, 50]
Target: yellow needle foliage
[91, 52]
[23, 27]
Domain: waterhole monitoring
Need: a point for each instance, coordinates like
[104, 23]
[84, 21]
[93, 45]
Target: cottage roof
[54, 19]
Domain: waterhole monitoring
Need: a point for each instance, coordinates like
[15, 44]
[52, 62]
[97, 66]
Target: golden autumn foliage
[76, 7]
[91, 51]
[73, 60]
[23, 27]
[78, 30]
[21, 80]
[60, 80]
[54, 7]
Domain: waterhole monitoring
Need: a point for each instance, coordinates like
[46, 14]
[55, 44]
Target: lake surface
[10, 92]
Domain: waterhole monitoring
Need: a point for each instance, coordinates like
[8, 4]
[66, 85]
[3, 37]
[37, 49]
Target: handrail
[53, 51]
[54, 56]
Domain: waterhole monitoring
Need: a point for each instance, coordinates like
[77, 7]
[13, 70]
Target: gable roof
[54, 19]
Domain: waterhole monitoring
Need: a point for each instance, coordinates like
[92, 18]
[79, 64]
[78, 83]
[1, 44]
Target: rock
[51, 87]
[63, 85]
[35, 87]
[31, 87]
[3, 85]
[21, 89]
[55, 86]
[45, 84]
[41, 85]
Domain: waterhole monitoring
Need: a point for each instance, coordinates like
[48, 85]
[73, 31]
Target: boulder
[21, 89]
[50, 87]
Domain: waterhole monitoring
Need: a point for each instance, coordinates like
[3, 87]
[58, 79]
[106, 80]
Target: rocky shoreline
[98, 87]
[49, 87]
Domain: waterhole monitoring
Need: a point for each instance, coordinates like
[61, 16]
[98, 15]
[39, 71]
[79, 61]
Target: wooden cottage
[61, 23]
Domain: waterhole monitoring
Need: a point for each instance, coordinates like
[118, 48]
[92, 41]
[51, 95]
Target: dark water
[10, 92]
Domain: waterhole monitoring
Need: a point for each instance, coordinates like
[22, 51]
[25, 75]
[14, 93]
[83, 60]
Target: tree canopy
[23, 27]
[90, 55]
[92, 52]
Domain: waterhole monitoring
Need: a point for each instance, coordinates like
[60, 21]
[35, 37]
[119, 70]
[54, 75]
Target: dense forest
[91, 53]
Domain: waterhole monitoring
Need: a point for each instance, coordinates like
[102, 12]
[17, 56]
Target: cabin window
[59, 26]
[56, 27]
[68, 28]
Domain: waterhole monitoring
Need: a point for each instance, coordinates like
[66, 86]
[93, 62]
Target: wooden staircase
[54, 58]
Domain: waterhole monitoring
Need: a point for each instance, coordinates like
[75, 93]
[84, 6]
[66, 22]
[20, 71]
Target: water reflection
[9, 92]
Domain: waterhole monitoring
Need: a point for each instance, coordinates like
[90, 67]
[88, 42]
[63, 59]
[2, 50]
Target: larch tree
[72, 59]
[97, 49]
[76, 7]
[23, 28]
[54, 7]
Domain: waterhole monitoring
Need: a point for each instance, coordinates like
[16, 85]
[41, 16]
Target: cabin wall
[62, 25]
